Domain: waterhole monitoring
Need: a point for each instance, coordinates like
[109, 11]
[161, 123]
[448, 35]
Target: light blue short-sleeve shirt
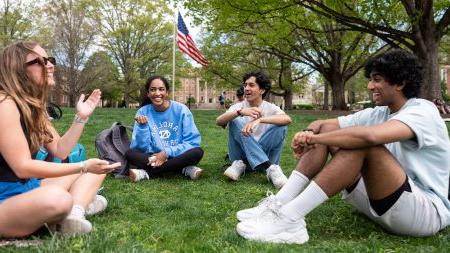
[426, 158]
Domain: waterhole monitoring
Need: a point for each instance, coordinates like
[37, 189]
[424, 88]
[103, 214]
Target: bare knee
[57, 202]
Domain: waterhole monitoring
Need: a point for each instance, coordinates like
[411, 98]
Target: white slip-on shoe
[235, 171]
[97, 206]
[71, 225]
[136, 175]
[276, 176]
[193, 172]
[274, 228]
[269, 203]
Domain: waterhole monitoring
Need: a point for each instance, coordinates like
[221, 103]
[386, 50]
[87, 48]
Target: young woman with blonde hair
[36, 193]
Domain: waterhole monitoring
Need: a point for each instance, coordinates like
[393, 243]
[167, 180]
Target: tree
[418, 25]
[100, 72]
[137, 36]
[14, 24]
[74, 37]
[230, 58]
[294, 34]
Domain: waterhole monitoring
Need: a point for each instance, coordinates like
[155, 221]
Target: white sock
[295, 184]
[77, 211]
[310, 198]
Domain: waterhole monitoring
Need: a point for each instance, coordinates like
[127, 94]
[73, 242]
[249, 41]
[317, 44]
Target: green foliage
[444, 90]
[137, 36]
[15, 23]
[303, 107]
[286, 39]
[173, 214]
[100, 72]
[191, 101]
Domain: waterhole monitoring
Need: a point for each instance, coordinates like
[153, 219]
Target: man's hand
[247, 130]
[301, 143]
[141, 119]
[160, 159]
[85, 108]
[253, 112]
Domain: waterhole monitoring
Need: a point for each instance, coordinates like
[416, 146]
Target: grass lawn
[174, 214]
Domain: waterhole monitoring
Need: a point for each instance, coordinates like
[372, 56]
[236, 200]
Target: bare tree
[73, 39]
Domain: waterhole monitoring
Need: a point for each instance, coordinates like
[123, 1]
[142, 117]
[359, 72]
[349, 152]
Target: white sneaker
[138, 175]
[193, 172]
[235, 171]
[274, 228]
[71, 225]
[97, 206]
[267, 204]
[276, 176]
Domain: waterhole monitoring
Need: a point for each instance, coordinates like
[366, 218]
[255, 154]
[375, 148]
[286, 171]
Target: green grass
[174, 214]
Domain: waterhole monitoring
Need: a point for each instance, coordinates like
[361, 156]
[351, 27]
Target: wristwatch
[79, 120]
[239, 112]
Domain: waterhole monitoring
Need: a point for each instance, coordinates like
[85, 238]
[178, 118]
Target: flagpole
[173, 52]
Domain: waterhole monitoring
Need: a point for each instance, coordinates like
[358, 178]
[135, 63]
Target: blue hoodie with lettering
[172, 131]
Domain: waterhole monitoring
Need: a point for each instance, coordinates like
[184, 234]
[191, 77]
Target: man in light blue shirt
[391, 162]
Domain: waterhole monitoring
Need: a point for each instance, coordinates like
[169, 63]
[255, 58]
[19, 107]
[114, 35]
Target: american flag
[186, 44]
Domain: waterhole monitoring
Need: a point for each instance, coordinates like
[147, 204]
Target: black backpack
[111, 145]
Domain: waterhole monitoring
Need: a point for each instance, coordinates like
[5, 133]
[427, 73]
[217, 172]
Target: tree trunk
[338, 92]
[431, 77]
[325, 96]
[288, 99]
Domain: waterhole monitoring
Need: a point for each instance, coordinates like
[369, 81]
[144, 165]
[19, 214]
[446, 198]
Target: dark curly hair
[399, 67]
[144, 98]
[240, 91]
[262, 80]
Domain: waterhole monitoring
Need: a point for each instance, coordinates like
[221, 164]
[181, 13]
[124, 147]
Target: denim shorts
[11, 189]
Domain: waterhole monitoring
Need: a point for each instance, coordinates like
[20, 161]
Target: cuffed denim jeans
[246, 148]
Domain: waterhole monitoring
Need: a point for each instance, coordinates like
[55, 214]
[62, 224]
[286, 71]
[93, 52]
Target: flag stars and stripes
[187, 45]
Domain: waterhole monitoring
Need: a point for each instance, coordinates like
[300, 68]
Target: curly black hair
[144, 98]
[262, 80]
[240, 91]
[399, 67]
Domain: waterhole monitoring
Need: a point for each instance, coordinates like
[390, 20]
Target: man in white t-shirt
[256, 131]
[391, 162]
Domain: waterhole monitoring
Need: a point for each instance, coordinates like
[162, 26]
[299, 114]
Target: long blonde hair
[29, 97]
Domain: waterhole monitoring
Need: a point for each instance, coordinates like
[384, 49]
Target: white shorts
[412, 214]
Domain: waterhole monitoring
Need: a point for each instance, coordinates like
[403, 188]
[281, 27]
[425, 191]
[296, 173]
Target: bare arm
[14, 149]
[360, 136]
[223, 119]
[281, 119]
[61, 146]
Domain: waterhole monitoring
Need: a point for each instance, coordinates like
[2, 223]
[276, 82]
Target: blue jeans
[244, 148]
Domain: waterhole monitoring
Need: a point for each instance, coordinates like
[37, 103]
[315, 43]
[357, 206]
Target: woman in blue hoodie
[165, 137]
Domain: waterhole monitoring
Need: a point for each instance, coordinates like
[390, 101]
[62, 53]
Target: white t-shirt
[267, 109]
[425, 159]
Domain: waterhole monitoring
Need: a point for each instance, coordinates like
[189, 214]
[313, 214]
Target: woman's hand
[97, 166]
[247, 130]
[141, 119]
[85, 108]
[159, 159]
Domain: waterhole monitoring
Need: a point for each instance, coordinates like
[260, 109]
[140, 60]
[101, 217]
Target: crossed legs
[382, 176]
[25, 213]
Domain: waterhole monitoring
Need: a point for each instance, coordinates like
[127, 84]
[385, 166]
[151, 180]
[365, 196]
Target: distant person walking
[222, 100]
